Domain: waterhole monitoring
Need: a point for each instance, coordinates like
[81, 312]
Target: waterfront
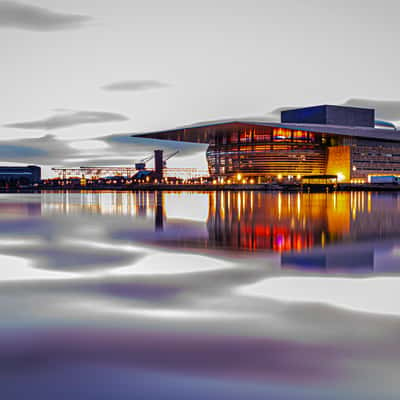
[170, 295]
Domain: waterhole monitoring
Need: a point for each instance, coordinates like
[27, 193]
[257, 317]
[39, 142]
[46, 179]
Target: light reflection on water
[225, 294]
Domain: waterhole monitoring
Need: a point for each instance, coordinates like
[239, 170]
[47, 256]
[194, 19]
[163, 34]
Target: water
[243, 295]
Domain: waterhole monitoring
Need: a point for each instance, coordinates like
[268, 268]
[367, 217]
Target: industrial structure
[137, 173]
[19, 176]
[321, 141]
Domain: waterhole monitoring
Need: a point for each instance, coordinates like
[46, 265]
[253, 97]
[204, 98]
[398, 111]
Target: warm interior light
[340, 176]
[239, 177]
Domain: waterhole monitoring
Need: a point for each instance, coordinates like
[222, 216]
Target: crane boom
[171, 155]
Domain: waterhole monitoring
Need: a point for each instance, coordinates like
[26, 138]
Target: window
[282, 135]
[300, 136]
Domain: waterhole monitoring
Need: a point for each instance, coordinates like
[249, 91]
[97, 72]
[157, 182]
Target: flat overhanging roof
[190, 133]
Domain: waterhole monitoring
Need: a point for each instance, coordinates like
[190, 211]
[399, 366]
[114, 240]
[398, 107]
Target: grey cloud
[33, 18]
[277, 111]
[119, 142]
[384, 109]
[122, 150]
[388, 110]
[135, 85]
[275, 114]
[44, 150]
[65, 119]
[9, 151]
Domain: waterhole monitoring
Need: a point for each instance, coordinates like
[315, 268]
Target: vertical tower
[159, 214]
[158, 164]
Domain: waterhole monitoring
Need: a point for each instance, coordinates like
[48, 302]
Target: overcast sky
[82, 69]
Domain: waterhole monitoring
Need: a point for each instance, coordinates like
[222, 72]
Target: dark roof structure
[330, 115]
[329, 119]
[192, 136]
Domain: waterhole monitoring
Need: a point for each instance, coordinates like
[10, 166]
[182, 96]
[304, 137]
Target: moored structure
[319, 140]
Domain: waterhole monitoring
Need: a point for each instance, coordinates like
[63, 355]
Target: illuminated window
[262, 135]
[245, 136]
[282, 135]
[299, 136]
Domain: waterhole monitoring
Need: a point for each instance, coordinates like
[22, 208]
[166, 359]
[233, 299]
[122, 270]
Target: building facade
[320, 140]
[15, 176]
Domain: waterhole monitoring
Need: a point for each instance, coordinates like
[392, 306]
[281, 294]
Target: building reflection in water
[281, 222]
[159, 212]
[298, 221]
[135, 204]
[356, 258]
[10, 209]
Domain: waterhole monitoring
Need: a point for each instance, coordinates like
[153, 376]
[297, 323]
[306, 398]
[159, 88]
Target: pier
[304, 188]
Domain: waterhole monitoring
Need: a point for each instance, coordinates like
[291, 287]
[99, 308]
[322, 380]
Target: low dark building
[17, 176]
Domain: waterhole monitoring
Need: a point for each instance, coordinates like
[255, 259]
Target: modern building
[15, 176]
[320, 140]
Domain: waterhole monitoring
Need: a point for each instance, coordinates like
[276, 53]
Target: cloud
[134, 85]
[45, 150]
[67, 118]
[277, 111]
[387, 110]
[119, 143]
[119, 149]
[384, 109]
[29, 17]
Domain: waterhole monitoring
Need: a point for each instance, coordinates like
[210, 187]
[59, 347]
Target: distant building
[14, 176]
[319, 140]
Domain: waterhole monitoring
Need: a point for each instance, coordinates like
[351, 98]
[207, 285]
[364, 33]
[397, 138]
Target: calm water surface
[200, 296]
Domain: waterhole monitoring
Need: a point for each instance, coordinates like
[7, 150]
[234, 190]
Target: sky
[79, 77]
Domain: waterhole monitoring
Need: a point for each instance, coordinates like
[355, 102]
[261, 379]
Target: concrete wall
[350, 116]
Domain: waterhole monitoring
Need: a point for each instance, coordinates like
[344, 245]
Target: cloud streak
[134, 85]
[120, 149]
[387, 110]
[384, 109]
[45, 150]
[14, 15]
[67, 118]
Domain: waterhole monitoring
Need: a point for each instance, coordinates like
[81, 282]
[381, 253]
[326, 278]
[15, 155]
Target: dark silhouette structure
[19, 176]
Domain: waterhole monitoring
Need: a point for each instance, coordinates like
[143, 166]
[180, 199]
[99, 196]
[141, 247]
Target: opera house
[323, 140]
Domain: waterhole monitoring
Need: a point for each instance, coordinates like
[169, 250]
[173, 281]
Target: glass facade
[262, 151]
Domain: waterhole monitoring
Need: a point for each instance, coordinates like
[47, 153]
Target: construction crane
[168, 157]
[97, 172]
[141, 165]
